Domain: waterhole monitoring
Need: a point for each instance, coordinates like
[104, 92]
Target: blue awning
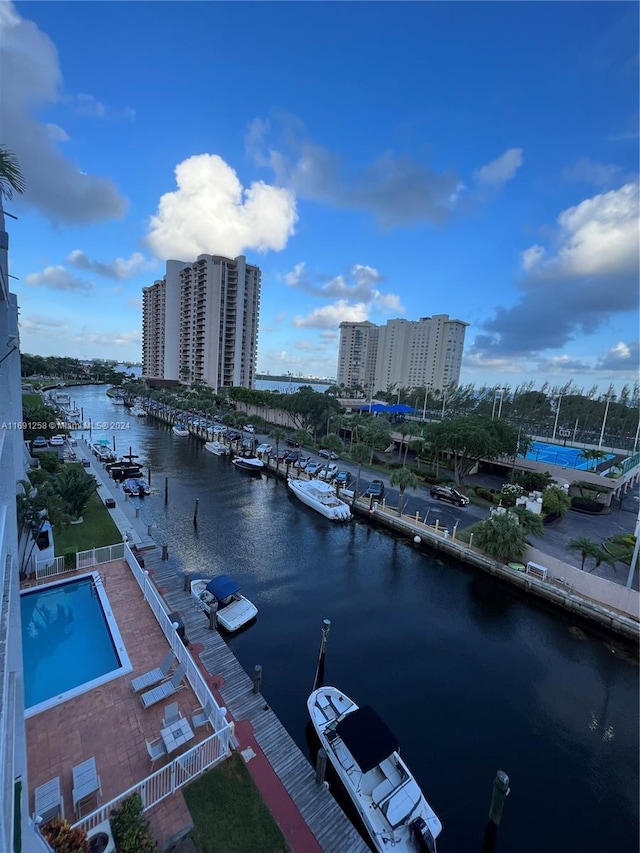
[374, 408]
[222, 587]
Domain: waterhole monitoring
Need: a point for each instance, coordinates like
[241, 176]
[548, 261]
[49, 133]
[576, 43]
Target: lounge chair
[202, 716]
[48, 800]
[142, 682]
[156, 750]
[164, 690]
[86, 782]
[171, 715]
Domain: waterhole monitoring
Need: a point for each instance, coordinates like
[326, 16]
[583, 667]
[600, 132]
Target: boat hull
[380, 799]
[320, 497]
[217, 447]
[254, 466]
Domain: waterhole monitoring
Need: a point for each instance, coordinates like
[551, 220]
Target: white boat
[181, 430]
[217, 447]
[248, 463]
[322, 497]
[365, 756]
[138, 412]
[232, 609]
[136, 486]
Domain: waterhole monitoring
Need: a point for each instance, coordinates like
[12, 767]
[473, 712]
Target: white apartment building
[13, 757]
[425, 353]
[200, 322]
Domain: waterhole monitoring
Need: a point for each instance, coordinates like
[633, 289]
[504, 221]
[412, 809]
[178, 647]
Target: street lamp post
[444, 403]
[502, 390]
[555, 425]
[424, 408]
[604, 420]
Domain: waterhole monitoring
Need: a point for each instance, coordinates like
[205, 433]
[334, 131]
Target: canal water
[470, 675]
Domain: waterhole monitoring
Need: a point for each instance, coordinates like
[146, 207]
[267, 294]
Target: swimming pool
[70, 641]
[567, 457]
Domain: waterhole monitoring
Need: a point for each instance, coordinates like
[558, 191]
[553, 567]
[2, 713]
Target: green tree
[376, 434]
[11, 177]
[555, 501]
[530, 522]
[74, 487]
[471, 439]
[35, 507]
[501, 537]
[359, 454]
[585, 547]
[278, 435]
[404, 479]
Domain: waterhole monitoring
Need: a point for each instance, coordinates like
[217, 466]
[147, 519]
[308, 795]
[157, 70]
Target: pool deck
[109, 722]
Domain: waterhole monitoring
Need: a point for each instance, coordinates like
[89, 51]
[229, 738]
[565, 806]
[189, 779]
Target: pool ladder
[96, 582]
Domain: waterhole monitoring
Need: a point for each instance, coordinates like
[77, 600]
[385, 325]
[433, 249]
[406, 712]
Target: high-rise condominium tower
[200, 322]
[426, 353]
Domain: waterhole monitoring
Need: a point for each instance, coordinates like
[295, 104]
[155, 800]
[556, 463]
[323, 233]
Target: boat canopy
[222, 587]
[367, 737]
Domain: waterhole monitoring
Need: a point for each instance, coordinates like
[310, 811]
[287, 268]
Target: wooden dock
[333, 831]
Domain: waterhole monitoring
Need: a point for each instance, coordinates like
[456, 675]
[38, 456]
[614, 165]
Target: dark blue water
[470, 675]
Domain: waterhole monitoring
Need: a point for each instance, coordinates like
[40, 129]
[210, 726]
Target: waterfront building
[200, 322]
[424, 353]
[13, 757]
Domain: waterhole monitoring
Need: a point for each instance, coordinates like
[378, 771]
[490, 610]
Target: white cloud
[599, 236]
[331, 316]
[85, 105]
[118, 339]
[294, 278]
[58, 278]
[56, 186]
[211, 213]
[37, 324]
[119, 269]
[531, 257]
[500, 170]
[358, 286]
[588, 171]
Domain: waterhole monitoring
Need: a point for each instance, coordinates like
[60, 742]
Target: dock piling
[166, 491]
[165, 552]
[257, 678]
[213, 620]
[499, 794]
[321, 765]
[319, 677]
[195, 513]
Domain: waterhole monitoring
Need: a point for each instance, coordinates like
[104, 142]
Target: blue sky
[376, 160]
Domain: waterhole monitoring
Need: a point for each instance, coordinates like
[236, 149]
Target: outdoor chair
[86, 783]
[202, 716]
[171, 714]
[48, 800]
[142, 682]
[156, 750]
[164, 690]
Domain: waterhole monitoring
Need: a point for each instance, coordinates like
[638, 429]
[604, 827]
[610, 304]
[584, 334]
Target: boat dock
[324, 817]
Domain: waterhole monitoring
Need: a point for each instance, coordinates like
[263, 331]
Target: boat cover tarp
[367, 737]
[222, 587]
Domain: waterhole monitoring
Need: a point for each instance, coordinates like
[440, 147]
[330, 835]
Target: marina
[531, 676]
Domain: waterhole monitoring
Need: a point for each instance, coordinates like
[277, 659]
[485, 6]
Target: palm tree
[277, 435]
[75, 487]
[530, 522]
[501, 537]
[585, 547]
[11, 178]
[404, 479]
[360, 455]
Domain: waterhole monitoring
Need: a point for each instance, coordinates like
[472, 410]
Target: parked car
[39, 441]
[292, 457]
[342, 478]
[282, 454]
[328, 472]
[249, 428]
[264, 449]
[449, 494]
[328, 454]
[234, 435]
[56, 441]
[375, 490]
[291, 443]
[302, 462]
[313, 468]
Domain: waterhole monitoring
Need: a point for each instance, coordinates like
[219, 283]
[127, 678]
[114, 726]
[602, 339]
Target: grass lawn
[229, 814]
[31, 399]
[97, 529]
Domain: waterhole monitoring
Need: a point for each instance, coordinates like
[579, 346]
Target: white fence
[47, 568]
[206, 754]
[96, 556]
[164, 782]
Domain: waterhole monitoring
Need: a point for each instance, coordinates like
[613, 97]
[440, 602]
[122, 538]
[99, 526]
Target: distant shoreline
[300, 380]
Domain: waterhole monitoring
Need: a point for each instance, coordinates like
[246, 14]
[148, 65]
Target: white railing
[96, 556]
[166, 781]
[192, 672]
[47, 568]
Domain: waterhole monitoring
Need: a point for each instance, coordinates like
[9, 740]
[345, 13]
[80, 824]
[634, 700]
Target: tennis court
[567, 457]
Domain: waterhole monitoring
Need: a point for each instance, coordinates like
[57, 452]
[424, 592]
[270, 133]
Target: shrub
[586, 506]
[63, 839]
[510, 492]
[70, 558]
[533, 481]
[50, 462]
[484, 493]
[130, 829]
